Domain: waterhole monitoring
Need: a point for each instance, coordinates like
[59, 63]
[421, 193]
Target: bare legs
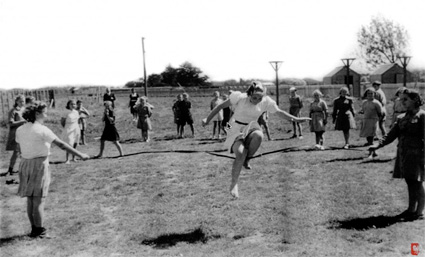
[346, 138]
[296, 125]
[319, 137]
[83, 137]
[145, 135]
[35, 210]
[266, 128]
[12, 162]
[102, 147]
[68, 154]
[243, 152]
[217, 126]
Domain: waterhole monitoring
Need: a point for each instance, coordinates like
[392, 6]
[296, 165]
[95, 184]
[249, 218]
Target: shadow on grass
[365, 223]
[166, 241]
[377, 160]
[162, 152]
[56, 162]
[9, 240]
[346, 159]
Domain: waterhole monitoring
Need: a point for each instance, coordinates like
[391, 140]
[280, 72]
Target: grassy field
[170, 197]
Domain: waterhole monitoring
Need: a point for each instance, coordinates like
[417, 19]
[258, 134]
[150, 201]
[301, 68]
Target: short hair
[79, 101]
[18, 97]
[344, 89]
[108, 104]
[414, 95]
[31, 111]
[255, 87]
[367, 90]
[185, 94]
[68, 103]
[376, 83]
[400, 91]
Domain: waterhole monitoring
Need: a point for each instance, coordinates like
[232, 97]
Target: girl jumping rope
[245, 135]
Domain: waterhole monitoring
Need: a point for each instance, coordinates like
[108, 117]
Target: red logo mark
[414, 247]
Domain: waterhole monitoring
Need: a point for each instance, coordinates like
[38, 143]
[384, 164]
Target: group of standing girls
[183, 114]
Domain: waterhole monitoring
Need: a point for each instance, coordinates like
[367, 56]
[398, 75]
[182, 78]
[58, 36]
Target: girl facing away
[409, 129]
[245, 135]
[319, 118]
[15, 121]
[71, 131]
[144, 113]
[34, 141]
[110, 132]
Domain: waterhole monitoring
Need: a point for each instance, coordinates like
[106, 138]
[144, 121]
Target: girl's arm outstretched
[215, 111]
[64, 146]
[284, 115]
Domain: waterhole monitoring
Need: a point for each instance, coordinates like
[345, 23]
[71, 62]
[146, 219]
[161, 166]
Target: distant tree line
[186, 75]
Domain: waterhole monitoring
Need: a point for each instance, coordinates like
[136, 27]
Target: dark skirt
[110, 133]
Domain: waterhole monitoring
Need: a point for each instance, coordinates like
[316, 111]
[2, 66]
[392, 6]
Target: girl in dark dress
[110, 132]
[133, 99]
[343, 115]
[409, 129]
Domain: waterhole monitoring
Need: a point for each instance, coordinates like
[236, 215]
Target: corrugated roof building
[338, 76]
[390, 74]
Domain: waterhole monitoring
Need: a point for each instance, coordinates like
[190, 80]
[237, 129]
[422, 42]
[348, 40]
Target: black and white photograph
[212, 128]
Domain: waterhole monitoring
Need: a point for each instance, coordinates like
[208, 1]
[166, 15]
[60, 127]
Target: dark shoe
[414, 217]
[13, 172]
[43, 233]
[247, 166]
[33, 231]
[405, 216]
[4, 174]
[11, 181]
[294, 136]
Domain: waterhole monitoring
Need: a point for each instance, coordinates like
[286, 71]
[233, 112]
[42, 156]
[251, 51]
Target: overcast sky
[61, 42]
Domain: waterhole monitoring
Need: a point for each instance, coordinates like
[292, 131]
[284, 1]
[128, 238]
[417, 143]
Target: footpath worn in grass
[170, 197]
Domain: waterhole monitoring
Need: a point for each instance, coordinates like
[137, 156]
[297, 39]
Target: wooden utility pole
[347, 64]
[144, 68]
[404, 61]
[276, 65]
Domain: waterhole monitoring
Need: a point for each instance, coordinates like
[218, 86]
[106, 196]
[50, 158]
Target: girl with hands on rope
[245, 135]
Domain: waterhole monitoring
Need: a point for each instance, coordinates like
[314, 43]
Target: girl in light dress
[319, 118]
[71, 131]
[372, 111]
[409, 129]
[34, 140]
[245, 135]
[219, 117]
[82, 122]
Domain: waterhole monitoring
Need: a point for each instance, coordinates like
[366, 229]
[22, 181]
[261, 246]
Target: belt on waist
[241, 123]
